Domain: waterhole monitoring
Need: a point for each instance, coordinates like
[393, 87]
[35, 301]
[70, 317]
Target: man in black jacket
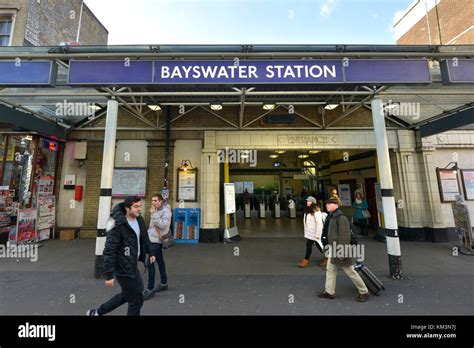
[127, 243]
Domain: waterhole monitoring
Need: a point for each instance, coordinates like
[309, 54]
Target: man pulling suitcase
[339, 234]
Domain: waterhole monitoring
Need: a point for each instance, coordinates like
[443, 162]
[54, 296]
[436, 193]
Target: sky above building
[249, 21]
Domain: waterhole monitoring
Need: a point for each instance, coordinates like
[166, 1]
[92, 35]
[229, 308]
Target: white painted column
[386, 184]
[105, 200]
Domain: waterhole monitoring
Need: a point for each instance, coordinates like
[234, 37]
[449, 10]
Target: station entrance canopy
[35, 80]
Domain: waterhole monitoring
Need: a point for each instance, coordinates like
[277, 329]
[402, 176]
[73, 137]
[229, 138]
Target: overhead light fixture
[185, 165]
[268, 106]
[273, 156]
[280, 151]
[154, 107]
[454, 168]
[314, 151]
[216, 107]
[331, 106]
[303, 156]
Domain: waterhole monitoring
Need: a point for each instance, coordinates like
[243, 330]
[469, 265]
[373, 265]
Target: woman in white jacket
[313, 221]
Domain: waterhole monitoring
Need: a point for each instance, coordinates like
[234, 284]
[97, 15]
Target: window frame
[12, 14]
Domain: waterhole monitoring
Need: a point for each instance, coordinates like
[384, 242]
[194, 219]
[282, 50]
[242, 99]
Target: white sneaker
[92, 313]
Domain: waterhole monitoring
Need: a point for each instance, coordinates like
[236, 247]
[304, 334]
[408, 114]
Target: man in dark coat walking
[339, 239]
[127, 243]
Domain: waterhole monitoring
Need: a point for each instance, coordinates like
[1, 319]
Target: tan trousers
[331, 274]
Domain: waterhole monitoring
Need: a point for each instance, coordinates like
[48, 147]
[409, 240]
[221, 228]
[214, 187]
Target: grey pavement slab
[262, 280]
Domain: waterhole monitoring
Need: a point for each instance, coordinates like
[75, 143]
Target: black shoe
[147, 294]
[161, 288]
[324, 294]
[362, 297]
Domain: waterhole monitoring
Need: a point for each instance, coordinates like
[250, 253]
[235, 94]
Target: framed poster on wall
[467, 176]
[187, 185]
[129, 182]
[345, 194]
[448, 184]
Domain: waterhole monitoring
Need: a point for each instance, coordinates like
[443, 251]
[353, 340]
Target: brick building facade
[31, 24]
[436, 22]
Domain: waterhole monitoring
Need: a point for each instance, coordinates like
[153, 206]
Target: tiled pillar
[210, 198]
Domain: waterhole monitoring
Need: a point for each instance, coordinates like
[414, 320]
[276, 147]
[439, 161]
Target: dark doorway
[371, 200]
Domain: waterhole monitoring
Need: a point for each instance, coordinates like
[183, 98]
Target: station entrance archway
[267, 181]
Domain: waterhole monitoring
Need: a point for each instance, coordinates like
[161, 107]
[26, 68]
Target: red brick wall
[454, 16]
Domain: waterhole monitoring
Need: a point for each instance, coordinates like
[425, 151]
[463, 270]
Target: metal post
[386, 184]
[167, 144]
[105, 200]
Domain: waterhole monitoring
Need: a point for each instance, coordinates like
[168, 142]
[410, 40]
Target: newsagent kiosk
[28, 171]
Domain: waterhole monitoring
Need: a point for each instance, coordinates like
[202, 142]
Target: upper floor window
[5, 30]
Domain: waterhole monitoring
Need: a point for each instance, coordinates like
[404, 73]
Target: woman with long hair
[313, 221]
[361, 212]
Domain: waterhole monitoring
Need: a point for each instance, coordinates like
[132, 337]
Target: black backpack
[324, 237]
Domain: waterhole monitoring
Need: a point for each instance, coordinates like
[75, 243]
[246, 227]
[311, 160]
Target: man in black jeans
[127, 243]
[159, 226]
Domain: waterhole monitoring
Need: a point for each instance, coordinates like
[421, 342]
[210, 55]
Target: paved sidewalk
[261, 280]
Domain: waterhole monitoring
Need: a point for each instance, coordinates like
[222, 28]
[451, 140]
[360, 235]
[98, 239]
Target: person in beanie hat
[339, 237]
[313, 228]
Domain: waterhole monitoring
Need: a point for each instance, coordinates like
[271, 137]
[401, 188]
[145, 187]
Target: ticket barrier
[292, 209]
[277, 213]
[262, 211]
[247, 210]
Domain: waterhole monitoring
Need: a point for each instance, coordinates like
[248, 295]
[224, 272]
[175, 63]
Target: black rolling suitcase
[371, 281]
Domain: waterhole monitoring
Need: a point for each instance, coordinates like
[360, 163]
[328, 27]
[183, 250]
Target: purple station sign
[303, 71]
[26, 73]
[457, 71]
[120, 72]
[387, 71]
[248, 71]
